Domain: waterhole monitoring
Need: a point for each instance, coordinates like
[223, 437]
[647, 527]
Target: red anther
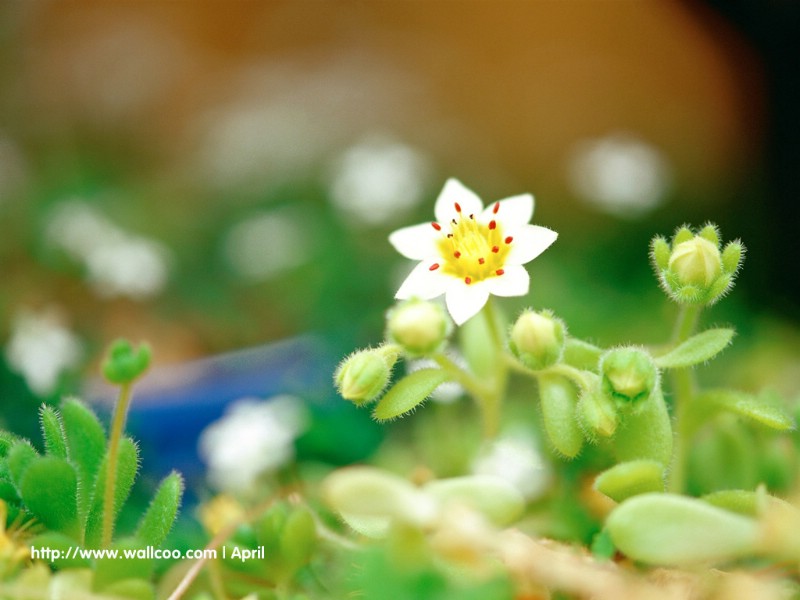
[496, 207]
[492, 224]
[495, 249]
[458, 207]
[481, 261]
[467, 280]
[436, 226]
[499, 272]
[433, 267]
[509, 239]
[457, 254]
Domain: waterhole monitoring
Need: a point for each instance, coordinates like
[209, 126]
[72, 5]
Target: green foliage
[697, 349]
[160, 515]
[127, 467]
[60, 493]
[667, 529]
[52, 432]
[559, 401]
[627, 479]
[49, 490]
[409, 392]
[86, 446]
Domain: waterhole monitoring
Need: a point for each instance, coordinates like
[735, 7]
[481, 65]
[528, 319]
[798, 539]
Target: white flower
[469, 253]
[252, 438]
[41, 348]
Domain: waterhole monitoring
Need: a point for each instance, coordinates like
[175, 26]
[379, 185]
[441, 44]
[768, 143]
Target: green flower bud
[628, 375]
[693, 270]
[420, 327]
[362, 376]
[537, 339]
[123, 364]
[696, 262]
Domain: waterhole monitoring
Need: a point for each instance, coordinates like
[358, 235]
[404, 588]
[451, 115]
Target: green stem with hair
[683, 387]
[117, 427]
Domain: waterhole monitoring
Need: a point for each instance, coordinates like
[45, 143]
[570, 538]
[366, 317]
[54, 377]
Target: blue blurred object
[172, 405]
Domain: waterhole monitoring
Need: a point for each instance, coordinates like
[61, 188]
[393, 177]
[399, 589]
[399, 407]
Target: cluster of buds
[693, 269]
[414, 329]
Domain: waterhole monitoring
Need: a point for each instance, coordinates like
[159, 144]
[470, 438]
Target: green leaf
[559, 401]
[493, 497]
[763, 409]
[49, 487]
[20, 456]
[52, 432]
[645, 433]
[408, 393]
[697, 349]
[666, 529]
[86, 446]
[581, 355]
[127, 466]
[160, 516]
[298, 538]
[627, 479]
[7, 440]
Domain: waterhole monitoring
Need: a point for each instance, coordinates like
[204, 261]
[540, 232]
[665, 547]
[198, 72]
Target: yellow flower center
[473, 251]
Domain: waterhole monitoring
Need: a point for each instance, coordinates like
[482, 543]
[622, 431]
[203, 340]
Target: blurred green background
[216, 175]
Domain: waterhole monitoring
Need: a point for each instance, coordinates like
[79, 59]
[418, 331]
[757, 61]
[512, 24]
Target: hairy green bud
[362, 376]
[628, 375]
[537, 339]
[419, 326]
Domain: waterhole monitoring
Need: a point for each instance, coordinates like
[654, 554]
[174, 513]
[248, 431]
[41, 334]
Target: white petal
[513, 282]
[511, 213]
[452, 193]
[423, 283]
[465, 301]
[529, 242]
[417, 242]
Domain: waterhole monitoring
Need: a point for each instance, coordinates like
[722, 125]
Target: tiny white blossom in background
[515, 458]
[252, 438]
[41, 348]
[378, 181]
[619, 174]
[117, 263]
[267, 244]
[468, 253]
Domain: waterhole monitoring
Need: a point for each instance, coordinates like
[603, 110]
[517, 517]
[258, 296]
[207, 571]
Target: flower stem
[117, 426]
[491, 401]
[683, 389]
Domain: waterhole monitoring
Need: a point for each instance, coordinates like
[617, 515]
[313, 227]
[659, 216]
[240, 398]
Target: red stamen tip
[436, 226]
[495, 249]
[457, 254]
[492, 224]
[481, 261]
[458, 207]
[496, 207]
[467, 280]
[509, 239]
[433, 267]
[499, 272]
